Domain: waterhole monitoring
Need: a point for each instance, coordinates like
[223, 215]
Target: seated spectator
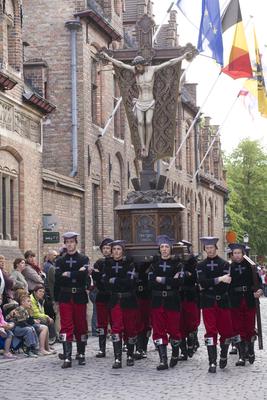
[38, 312]
[24, 328]
[6, 333]
[18, 279]
[6, 282]
[32, 272]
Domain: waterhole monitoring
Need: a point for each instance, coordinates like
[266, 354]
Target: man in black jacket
[103, 295]
[214, 279]
[71, 279]
[242, 295]
[165, 278]
[120, 279]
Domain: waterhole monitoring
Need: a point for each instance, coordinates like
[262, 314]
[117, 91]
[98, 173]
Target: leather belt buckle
[140, 288]
[74, 290]
[244, 289]
[218, 297]
[164, 293]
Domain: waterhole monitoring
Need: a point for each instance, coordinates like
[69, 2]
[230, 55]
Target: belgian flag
[238, 63]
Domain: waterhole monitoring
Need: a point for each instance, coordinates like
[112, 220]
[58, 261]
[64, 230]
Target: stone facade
[84, 198]
[20, 144]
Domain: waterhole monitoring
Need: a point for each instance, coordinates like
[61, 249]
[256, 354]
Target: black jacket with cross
[119, 278]
[72, 287]
[166, 293]
[208, 272]
[242, 284]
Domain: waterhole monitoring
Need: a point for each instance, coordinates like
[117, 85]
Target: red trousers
[103, 317]
[243, 319]
[218, 320]
[73, 321]
[189, 319]
[144, 312]
[165, 322]
[124, 321]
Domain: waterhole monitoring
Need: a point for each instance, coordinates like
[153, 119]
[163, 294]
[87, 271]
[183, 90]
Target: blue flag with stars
[210, 31]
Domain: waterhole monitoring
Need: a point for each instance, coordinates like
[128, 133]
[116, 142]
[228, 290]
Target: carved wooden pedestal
[140, 224]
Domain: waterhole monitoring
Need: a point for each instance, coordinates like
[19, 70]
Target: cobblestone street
[44, 379]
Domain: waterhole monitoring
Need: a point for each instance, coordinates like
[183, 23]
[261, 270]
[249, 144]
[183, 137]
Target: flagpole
[104, 130]
[162, 22]
[193, 123]
[215, 137]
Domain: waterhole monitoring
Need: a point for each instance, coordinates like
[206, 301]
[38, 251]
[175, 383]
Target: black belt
[123, 295]
[215, 296]
[164, 293]
[240, 289]
[72, 290]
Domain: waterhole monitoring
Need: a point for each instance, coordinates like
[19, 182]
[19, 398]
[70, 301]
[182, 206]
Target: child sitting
[6, 333]
[24, 327]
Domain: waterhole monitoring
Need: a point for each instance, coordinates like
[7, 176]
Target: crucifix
[164, 266]
[116, 267]
[150, 96]
[212, 265]
[240, 269]
[71, 262]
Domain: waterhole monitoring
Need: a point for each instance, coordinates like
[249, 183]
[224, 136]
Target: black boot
[145, 343]
[81, 352]
[242, 354]
[117, 346]
[223, 355]
[190, 344]
[251, 353]
[130, 352]
[183, 347]
[102, 346]
[67, 350]
[162, 349]
[196, 342]
[212, 353]
[233, 349]
[138, 355]
[175, 352]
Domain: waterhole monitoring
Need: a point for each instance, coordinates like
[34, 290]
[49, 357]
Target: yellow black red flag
[238, 63]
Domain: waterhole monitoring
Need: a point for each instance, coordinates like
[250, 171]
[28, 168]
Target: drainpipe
[73, 26]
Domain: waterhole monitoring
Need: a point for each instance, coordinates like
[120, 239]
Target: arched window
[9, 196]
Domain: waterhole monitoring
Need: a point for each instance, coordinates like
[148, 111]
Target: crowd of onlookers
[28, 313]
[263, 275]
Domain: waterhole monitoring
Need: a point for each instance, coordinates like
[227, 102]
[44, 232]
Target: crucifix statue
[150, 93]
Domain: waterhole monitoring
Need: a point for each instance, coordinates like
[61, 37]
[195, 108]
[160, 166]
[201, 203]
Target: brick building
[85, 175]
[21, 112]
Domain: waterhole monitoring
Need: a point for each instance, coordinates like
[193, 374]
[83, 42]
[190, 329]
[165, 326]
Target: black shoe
[81, 359]
[233, 350]
[117, 364]
[162, 349]
[251, 353]
[102, 347]
[223, 356]
[81, 353]
[212, 353]
[184, 354]
[130, 361]
[117, 347]
[67, 350]
[241, 346]
[212, 368]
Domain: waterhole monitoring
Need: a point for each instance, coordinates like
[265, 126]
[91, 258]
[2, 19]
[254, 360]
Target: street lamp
[245, 238]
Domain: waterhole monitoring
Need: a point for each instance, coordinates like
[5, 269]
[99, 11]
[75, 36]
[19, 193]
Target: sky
[222, 105]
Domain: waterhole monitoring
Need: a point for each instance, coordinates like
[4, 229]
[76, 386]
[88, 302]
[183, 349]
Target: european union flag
[210, 30]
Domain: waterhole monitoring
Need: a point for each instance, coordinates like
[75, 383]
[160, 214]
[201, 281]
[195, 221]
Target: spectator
[6, 282]
[38, 312]
[32, 272]
[18, 279]
[24, 328]
[265, 282]
[49, 260]
[6, 333]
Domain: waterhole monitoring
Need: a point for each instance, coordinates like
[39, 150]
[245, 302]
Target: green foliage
[247, 183]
